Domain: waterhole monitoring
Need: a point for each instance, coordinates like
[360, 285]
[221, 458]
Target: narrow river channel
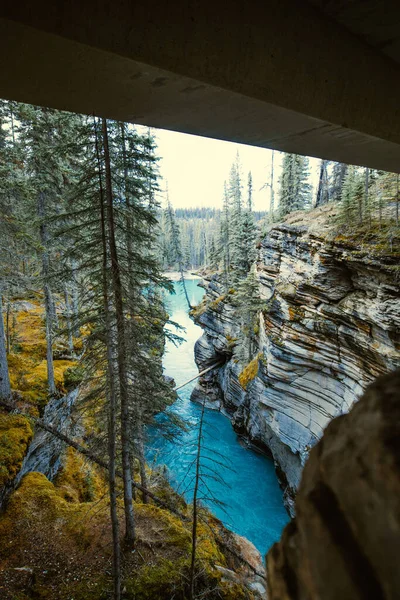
[240, 485]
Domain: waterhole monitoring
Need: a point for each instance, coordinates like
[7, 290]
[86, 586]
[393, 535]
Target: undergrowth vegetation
[61, 535]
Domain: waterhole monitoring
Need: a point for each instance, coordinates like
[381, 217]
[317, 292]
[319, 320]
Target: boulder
[345, 540]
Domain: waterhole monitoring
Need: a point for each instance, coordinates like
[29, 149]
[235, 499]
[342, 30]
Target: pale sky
[196, 168]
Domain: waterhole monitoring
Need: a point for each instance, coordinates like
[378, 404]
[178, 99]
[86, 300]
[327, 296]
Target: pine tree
[234, 192]
[249, 305]
[295, 189]
[323, 194]
[348, 209]
[225, 239]
[44, 136]
[109, 206]
[248, 236]
[177, 246]
[5, 388]
[338, 176]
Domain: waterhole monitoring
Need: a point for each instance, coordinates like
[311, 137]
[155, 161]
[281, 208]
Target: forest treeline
[199, 230]
[206, 237]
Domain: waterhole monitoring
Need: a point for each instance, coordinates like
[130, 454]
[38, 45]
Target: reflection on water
[239, 485]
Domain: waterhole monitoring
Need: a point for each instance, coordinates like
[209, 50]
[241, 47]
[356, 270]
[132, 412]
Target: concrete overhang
[283, 75]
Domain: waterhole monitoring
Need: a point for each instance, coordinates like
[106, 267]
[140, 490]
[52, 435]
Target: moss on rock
[78, 480]
[15, 435]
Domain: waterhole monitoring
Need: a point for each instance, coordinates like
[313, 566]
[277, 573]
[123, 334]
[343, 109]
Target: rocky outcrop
[331, 325]
[344, 542]
[45, 452]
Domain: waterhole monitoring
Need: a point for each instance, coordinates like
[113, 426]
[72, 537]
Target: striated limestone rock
[331, 325]
[345, 540]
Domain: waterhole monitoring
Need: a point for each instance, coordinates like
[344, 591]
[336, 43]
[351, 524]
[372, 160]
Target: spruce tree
[43, 133]
[339, 171]
[5, 234]
[295, 189]
[225, 239]
[249, 304]
[175, 243]
[323, 192]
[348, 208]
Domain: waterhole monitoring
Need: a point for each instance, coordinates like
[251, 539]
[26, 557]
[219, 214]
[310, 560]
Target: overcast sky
[196, 168]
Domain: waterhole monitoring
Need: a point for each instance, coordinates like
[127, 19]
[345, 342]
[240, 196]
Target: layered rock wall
[331, 325]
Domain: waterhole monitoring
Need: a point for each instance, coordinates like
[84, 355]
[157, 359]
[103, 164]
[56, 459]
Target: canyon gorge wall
[330, 326]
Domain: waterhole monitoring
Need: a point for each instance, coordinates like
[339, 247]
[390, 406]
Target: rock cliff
[344, 541]
[331, 325]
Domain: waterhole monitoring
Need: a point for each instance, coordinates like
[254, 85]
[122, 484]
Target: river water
[239, 485]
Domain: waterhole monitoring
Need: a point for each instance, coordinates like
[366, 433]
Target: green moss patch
[15, 435]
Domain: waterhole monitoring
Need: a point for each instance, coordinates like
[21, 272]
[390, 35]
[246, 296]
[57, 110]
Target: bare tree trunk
[8, 329]
[74, 298]
[397, 200]
[68, 319]
[48, 303]
[5, 388]
[141, 459]
[54, 316]
[195, 512]
[320, 190]
[327, 190]
[112, 403]
[129, 227]
[121, 349]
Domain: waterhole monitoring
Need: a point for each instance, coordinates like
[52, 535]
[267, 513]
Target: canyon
[330, 326]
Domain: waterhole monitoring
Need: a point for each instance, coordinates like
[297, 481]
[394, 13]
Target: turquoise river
[239, 485]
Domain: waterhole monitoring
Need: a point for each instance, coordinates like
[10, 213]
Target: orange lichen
[200, 309]
[296, 313]
[217, 301]
[249, 372]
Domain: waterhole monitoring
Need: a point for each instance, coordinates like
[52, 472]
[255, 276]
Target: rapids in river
[238, 484]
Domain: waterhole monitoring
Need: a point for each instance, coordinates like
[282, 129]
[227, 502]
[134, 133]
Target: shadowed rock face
[45, 452]
[331, 326]
[345, 540]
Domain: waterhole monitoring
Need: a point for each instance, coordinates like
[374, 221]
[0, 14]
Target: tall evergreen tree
[323, 192]
[5, 231]
[339, 171]
[348, 207]
[295, 189]
[249, 305]
[225, 239]
[177, 246]
[235, 216]
[43, 136]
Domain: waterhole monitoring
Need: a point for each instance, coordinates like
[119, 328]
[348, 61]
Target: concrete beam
[274, 74]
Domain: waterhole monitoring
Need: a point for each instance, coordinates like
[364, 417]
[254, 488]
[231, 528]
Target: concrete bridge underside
[320, 77]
